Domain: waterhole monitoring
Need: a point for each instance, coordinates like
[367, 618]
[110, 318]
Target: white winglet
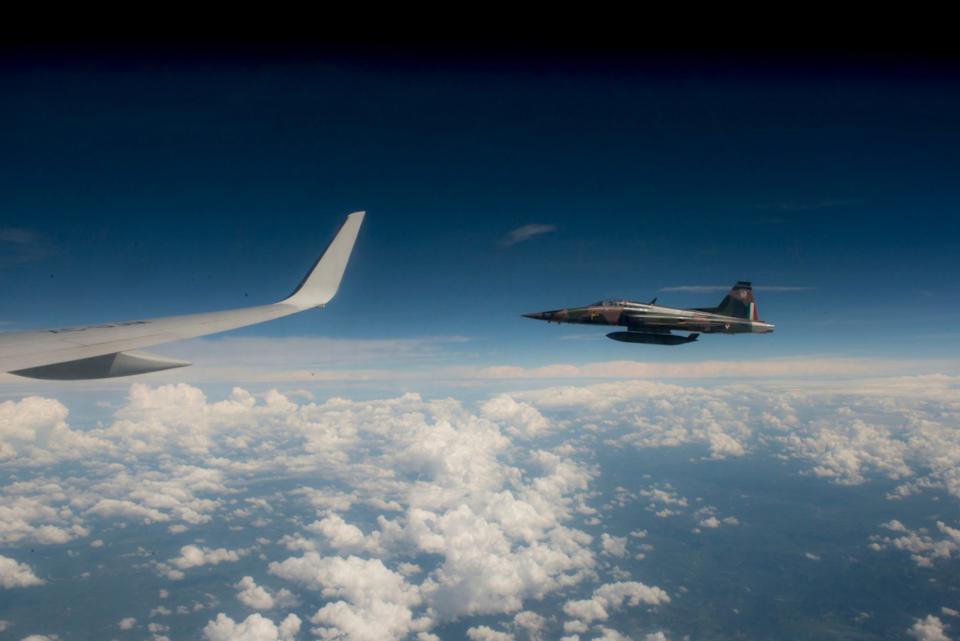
[105, 350]
[321, 283]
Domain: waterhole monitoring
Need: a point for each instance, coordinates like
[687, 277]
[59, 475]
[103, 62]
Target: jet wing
[668, 321]
[103, 351]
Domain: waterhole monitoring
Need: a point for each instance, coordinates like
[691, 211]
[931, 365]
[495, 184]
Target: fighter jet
[652, 323]
[105, 350]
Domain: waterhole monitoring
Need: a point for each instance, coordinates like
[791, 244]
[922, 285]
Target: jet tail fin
[322, 282]
[739, 303]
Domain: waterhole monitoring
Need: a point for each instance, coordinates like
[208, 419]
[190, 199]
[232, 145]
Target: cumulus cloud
[17, 575]
[34, 431]
[192, 556]
[127, 623]
[374, 603]
[473, 488]
[708, 518]
[531, 623]
[486, 633]
[902, 429]
[612, 596]
[257, 597]
[613, 545]
[254, 628]
[341, 535]
[924, 547]
[517, 417]
[38, 510]
[609, 634]
[930, 628]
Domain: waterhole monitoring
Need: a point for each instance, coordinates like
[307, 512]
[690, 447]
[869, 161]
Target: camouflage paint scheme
[651, 323]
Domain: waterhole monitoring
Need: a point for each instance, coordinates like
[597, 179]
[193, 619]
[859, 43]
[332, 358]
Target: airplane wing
[104, 351]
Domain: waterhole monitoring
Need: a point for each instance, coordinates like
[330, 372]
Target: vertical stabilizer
[739, 302]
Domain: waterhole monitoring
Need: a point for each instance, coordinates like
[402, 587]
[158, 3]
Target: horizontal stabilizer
[105, 366]
[653, 339]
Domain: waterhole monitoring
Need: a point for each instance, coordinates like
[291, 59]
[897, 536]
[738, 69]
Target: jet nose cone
[553, 316]
[538, 315]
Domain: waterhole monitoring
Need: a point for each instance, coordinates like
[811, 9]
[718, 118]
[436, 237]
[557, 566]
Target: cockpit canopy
[609, 303]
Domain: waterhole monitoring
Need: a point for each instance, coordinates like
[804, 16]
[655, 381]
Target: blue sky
[155, 186]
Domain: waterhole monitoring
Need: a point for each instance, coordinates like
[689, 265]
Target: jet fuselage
[643, 317]
[651, 323]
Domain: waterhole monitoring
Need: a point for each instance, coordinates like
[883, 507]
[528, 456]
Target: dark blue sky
[151, 186]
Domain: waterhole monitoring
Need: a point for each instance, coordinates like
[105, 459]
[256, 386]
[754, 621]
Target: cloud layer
[407, 514]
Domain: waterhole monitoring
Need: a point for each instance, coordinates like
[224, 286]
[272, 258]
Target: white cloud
[482, 570]
[127, 623]
[526, 232]
[486, 633]
[192, 556]
[374, 603]
[609, 634]
[163, 493]
[631, 592]
[531, 623]
[467, 486]
[760, 368]
[343, 536]
[254, 628]
[515, 416]
[38, 510]
[928, 629]
[17, 575]
[34, 431]
[612, 596]
[586, 610]
[902, 429]
[924, 547]
[614, 545]
[257, 597]
[707, 518]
